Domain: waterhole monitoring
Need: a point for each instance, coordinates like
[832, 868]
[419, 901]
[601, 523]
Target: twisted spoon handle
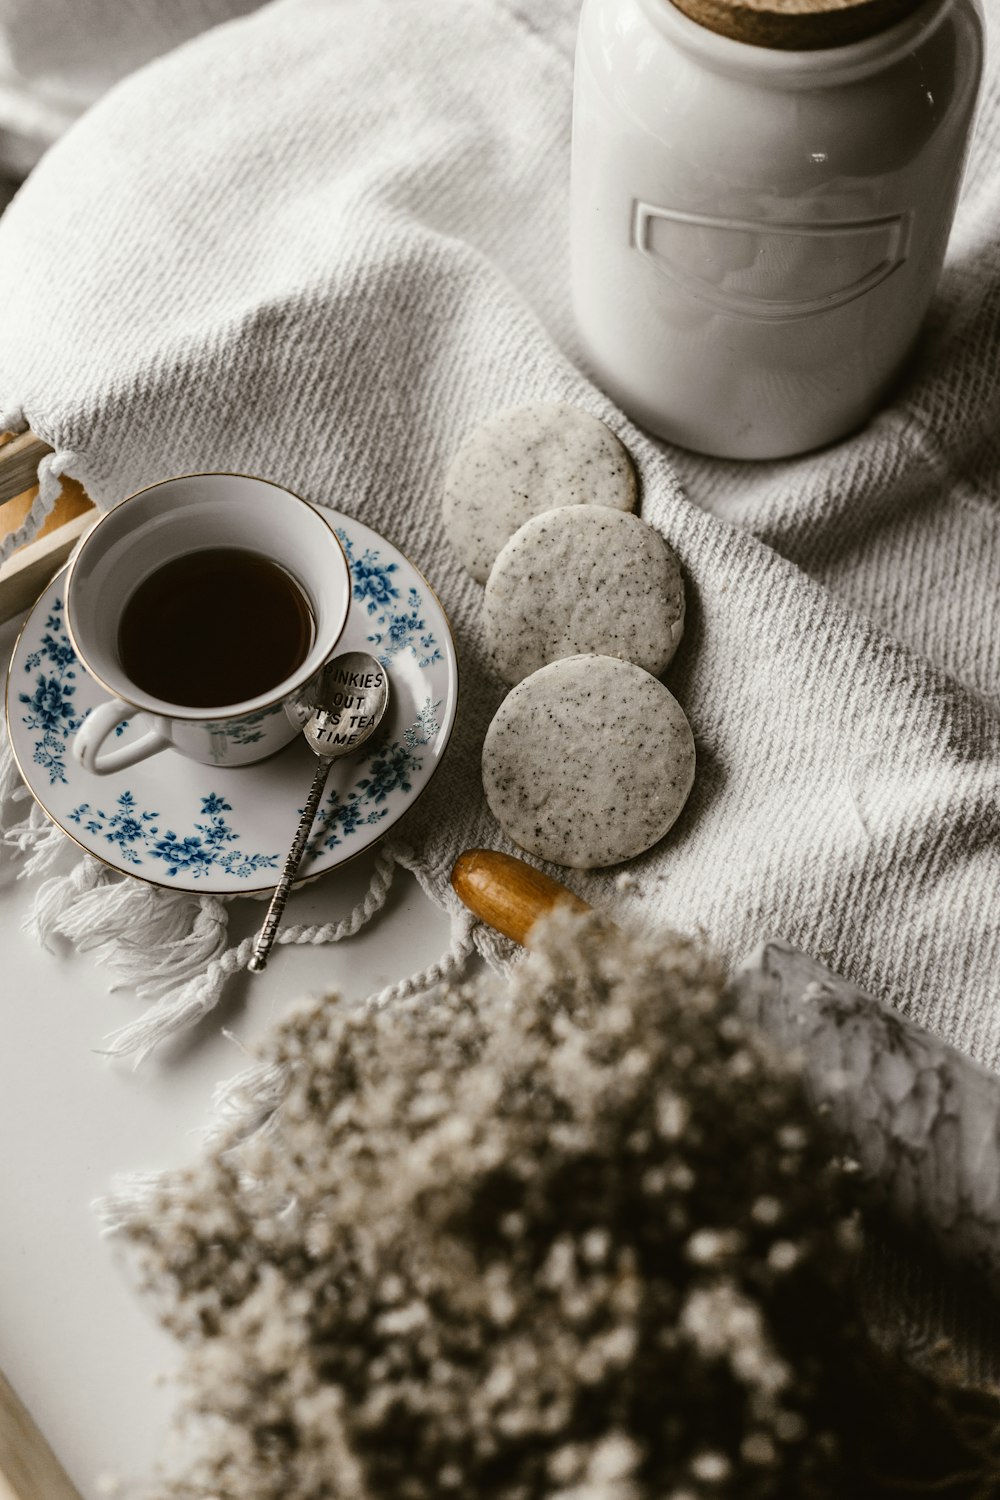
[265, 937]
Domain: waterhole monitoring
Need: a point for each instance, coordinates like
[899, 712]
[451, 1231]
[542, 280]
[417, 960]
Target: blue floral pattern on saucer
[50, 709]
[388, 768]
[400, 618]
[195, 827]
[136, 833]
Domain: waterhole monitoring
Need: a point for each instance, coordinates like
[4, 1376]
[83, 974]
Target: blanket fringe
[247, 1103]
[132, 1195]
[250, 1101]
[12, 420]
[198, 960]
[450, 966]
[168, 946]
[25, 830]
[18, 834]
[59, 898]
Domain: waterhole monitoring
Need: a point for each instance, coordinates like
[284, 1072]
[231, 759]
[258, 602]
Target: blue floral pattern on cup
[400, 624]
[247, 731]
[50, 709]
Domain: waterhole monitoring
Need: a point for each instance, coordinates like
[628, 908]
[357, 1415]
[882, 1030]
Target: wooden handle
[29, 1470]
[508, 894]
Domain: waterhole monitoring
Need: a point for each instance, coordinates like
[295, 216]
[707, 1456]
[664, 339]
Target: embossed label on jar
[771, 272]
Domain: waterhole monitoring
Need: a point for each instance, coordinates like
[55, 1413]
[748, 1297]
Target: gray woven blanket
[324, 242]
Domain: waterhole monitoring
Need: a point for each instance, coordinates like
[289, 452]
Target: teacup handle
[94, 731]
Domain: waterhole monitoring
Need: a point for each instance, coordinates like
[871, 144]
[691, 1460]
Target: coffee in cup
[206, 603]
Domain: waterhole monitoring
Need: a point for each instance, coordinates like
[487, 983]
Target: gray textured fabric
[58, 56]
[323, 243]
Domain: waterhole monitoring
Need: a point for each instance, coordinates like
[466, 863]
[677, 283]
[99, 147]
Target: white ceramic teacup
[169, 521]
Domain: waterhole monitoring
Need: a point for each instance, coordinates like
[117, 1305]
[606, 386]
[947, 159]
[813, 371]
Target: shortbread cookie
[524, 461]
[588, 761]
[583, 578]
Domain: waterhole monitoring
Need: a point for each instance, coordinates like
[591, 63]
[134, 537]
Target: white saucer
[191, 827]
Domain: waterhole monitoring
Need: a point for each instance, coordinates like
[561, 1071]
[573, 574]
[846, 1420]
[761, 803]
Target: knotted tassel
[50, 469]
[178, 1009]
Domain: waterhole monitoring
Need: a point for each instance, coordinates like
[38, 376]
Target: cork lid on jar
[796, 25]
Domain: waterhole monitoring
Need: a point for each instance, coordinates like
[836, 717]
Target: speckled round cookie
[583, 578]
[524, 461]
[588, 761]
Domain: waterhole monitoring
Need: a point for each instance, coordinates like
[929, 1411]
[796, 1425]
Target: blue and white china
[194, 827]
[172, 520]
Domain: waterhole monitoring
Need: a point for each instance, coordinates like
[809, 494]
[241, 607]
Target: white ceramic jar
[757, 231]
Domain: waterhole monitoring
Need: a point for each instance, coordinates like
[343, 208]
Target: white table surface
[75, 1342]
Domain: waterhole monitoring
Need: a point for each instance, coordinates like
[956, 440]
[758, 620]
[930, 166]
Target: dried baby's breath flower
[782, 1255]
[572, 1238]
[713, 1468]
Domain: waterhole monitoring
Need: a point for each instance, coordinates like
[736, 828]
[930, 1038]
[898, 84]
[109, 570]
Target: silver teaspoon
[337, 712]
